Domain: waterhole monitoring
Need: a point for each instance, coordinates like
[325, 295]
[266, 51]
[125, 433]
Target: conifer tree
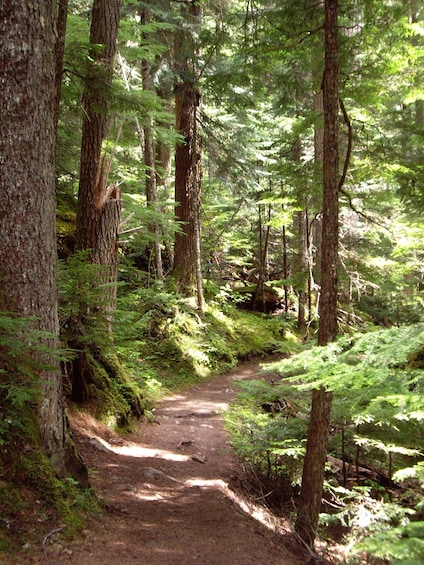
[99, 204]
[316, 447]
[28, 255]
[187, 261]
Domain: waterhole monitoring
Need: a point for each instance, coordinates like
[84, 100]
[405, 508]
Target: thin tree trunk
[149, 160]
[300, 266]
[316, 448]
[285, 270]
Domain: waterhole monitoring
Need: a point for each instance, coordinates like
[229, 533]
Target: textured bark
[27, 184]
[184, 249]
[314, 467]
[330, 219]
[187, 171]
[316, 448]
[99, 205]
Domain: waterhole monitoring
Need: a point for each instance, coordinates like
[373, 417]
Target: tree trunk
[285, 270]
[62, 17]
[99, 205]
[187, 169]
[300, 266]
[330, 217]
[316, 448]
[314, 467]
[263, 259]
[28, 255]
[149, 161]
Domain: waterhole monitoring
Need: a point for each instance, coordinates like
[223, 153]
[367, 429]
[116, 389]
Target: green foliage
[82, 301]
[33, 498]
[96, 374]
[266, 434]
[24, 352]
[398, 537]
[377, 423]
[163, 339]
[377, 398]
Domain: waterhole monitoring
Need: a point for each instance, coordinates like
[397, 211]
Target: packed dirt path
[166, 490]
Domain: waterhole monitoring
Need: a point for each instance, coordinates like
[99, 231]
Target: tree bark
[330, 218]
[187, 168]
[314, 467]
[316, 447]
[28, 255]
[149, 161]
[99, 205]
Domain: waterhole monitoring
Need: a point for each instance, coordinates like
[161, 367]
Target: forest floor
[166, 490]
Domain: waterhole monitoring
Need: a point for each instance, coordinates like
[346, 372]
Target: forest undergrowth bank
[372, 508]
[161, 344]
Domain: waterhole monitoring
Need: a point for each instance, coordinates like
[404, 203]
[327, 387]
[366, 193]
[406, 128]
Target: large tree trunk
[28, 256]
[316, 448]
[99, 205]
[187, 169]
[330, 215]
[184, 250]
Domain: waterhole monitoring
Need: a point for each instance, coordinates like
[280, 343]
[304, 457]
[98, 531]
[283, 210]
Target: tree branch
[349, 143]
[346, 165]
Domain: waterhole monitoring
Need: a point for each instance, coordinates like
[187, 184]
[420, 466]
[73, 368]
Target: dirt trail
[166, 491]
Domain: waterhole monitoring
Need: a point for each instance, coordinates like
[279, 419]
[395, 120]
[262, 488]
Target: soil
[166, 490]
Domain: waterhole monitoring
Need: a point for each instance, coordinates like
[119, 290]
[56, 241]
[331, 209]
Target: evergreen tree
[316, 447]
[99, 207]
[187, 267]
[28, 253]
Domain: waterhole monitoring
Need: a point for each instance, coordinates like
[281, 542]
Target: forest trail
[166, 489]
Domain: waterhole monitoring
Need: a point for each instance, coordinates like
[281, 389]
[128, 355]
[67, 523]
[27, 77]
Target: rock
[198, 457]
[185, 442]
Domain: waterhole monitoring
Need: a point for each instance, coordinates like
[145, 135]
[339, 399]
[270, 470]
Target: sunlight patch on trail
[255, 511]
[138, 451]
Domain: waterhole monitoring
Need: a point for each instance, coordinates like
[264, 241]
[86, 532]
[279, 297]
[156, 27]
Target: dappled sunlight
[204, 406]
[159, 486]
[258, 513]
[136, 450]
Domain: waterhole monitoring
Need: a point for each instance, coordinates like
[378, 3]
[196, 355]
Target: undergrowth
[375, 470]
[33, 499]
[166, 344]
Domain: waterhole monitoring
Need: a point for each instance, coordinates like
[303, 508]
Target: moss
[416, 359]
[33, 499]
[100, 379]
